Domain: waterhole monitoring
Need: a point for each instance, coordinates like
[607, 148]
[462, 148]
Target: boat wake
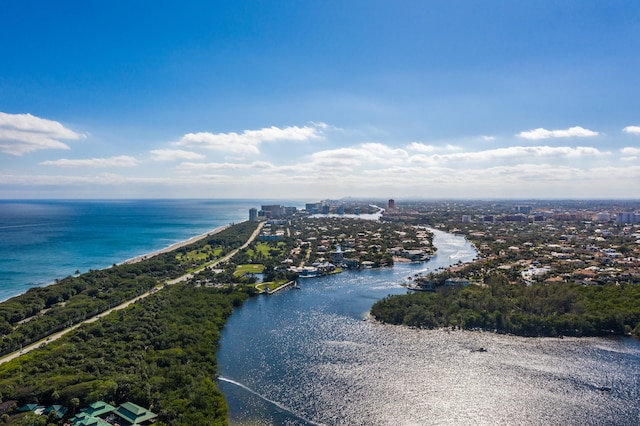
[270, 401]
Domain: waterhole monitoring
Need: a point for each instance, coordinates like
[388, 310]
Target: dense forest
[537, 310]
[42, 311]
[161, 354]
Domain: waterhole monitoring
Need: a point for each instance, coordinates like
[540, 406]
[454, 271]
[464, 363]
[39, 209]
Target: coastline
[175, 246]
[149, 255]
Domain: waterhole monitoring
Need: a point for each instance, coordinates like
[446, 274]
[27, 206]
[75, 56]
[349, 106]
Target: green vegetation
[44, 310]
[271, 285]
[161, 353]
[252, 268]
[536, 310]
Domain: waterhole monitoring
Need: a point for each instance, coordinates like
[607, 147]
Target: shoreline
[175, 246]
[141, 257]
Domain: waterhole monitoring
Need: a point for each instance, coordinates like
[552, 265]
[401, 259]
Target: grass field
[200, 254]
[251, 268]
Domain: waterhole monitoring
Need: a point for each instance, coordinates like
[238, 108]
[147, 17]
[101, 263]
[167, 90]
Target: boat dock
[285, 285]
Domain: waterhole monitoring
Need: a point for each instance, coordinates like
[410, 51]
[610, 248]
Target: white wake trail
[276, 403]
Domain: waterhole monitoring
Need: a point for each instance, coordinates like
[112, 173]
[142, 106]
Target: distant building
[253, 214]
[456, 282]
[466, 218]
[340, 209]
[325, 209]
[392, 204]
[627, 217]
[311, 208]
[275, 210]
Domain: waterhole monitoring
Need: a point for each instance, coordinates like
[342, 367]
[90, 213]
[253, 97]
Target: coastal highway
[123, 305]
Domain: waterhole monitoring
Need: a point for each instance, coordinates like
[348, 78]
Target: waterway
[312, 357]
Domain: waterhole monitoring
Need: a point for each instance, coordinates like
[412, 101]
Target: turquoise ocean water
[42, 240]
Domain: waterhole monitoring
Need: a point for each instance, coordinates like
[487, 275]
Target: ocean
[306, 357]
[45, 240]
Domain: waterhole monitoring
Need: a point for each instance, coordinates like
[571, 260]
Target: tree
[75, 403]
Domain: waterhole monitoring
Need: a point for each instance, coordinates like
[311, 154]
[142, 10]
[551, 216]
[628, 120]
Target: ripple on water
[309, 351]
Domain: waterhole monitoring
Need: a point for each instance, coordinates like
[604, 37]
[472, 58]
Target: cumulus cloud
[190, 166]
[630, 154]
[512, 153]
[248, 141]
[634, 130]
[630, 151]
[367, 153]
[119, 161]
[540, 133]
[420, 147]
[175, 155]
[488, 138]
[23, 133]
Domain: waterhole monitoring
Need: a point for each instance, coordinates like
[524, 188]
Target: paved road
[185, 277]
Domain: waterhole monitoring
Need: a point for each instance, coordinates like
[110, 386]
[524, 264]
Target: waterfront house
[456, 282]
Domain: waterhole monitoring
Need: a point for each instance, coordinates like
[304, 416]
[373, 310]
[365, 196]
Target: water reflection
[307, 357]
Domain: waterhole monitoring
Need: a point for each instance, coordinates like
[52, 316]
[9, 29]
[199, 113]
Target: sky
[320, 99]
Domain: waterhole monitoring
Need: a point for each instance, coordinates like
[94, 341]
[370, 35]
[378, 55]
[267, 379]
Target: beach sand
[176, 245]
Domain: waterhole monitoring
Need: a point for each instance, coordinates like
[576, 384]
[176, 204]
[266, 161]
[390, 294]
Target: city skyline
[305, 100]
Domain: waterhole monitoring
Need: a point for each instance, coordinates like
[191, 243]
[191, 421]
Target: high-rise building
[275, 210]
[392, 204]
[253, 214]
[627, 217]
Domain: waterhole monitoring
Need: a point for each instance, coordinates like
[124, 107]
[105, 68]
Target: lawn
[264, 248]
[250, 268]
[272, 285]
[200, 254]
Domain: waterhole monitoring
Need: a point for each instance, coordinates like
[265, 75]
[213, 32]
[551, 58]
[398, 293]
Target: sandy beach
[176, 245]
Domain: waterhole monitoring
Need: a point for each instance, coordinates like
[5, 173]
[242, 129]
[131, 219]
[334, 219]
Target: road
[123, 305]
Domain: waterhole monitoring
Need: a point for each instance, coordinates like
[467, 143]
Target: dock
[285, 285]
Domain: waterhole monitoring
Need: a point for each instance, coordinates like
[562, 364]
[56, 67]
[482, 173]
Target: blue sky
[311, 100]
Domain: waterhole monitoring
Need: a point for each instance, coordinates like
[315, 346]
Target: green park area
[247, 269]
[201, 254]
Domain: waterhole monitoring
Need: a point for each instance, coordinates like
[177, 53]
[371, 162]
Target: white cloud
[511, 153]
[189, 166]
[353, 157]
[248, 141]
[23, 133]
[120, 161]
[175, 155]
[420, 147]
[541, 133]
[630, 151]
[634, 130]
[488, 138]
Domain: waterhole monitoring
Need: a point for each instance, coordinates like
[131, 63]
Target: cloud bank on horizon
[435, 106]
